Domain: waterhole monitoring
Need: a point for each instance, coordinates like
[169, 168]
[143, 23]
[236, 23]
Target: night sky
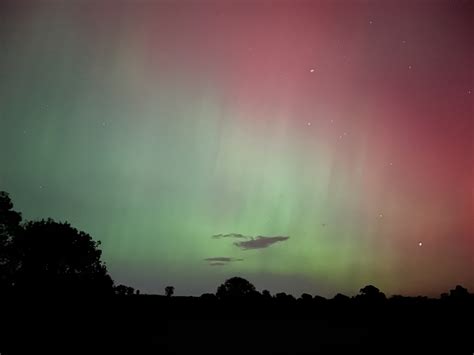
[306, 146]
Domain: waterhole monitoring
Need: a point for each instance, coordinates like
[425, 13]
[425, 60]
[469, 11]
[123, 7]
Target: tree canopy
[48, 256]
[235, 287]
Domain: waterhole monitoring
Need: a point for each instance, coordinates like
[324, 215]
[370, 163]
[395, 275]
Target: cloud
[231, 235]
[260, 242]
[222, 259]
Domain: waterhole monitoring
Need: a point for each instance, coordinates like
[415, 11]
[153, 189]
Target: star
[311, 70]
[404, 41]
[391, 163]
[469, 92]
[309, 123]
[420, 244]
[380, 215]
[345, 133]
[409, 67]
[332, 121]
[371, 22]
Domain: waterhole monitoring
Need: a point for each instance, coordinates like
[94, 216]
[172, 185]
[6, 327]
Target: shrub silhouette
[123, 290]
[169, 291]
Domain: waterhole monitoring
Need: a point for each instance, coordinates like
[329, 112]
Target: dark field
[159, 325]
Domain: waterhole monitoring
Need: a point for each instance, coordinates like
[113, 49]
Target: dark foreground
[159, 325]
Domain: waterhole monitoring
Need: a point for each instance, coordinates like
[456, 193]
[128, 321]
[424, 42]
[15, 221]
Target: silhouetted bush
[123, 290]
[169, 291]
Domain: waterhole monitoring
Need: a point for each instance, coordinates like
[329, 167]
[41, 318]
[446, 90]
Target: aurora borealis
[341, 130]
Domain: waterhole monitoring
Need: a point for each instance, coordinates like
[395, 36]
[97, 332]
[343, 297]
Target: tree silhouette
[169, 291]
[9, 227]
[371, 294]
[9, 219]
[235, 287]
[341, 299]
[283, 298]
[57, 258]
[459, 294]
[123, 290]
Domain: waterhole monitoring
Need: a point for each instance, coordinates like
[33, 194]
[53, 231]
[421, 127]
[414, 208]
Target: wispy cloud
[224, 259]
[230, 235]
[260, 242]
[221, 260]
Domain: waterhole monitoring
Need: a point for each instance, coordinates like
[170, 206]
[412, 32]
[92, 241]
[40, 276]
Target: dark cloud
[222, 259]
[260, 242]
[230, 235]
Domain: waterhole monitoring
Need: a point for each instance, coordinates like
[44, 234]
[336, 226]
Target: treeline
[51, 258]
[57, 297]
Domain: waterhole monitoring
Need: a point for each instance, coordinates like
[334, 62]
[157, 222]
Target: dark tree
[266, 295]
[459, 292]
[123, 290]
[459, 295]
[284, 299]
[57, 258]
[9, 227]
[235, 287]
[169, 291]
[341, 299]
[9, 219]
[371, 294]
